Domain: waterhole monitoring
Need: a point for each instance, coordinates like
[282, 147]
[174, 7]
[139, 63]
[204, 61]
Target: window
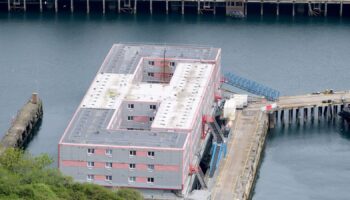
[150, 74]
[132, 179]
[109, 152]
[150, 167]
[90, 164]
[132, 166]
[153, 107]
[172, 64]
[130, 105]
[132, 153]
[151, 153]
[130, 118]
[109, 165]
[151, 119]
[90, 177]
[108, 178]
[150, 180]
[151, 62]
[90, 151]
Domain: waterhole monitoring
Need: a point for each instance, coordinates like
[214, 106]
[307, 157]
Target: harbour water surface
[58, 56]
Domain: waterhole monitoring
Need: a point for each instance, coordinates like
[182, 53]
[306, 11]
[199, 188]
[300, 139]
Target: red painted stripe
[100, 178]
[100, 151]
[141, 118]
[167, 168]
[141, 166]
[73, 163]
[141, 179]
[120, 166]
[142, 153]
[100, 164]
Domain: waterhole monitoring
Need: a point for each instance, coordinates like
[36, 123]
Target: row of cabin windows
[171, 63]
[152, 107]
[133, 179]
[149, 153]
[91, 177]
[130, 118]
[109, 152]
[108, 165]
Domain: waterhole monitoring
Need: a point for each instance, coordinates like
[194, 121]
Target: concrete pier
[21, 129]
[229, 7]
[308, 107]
[238, 170]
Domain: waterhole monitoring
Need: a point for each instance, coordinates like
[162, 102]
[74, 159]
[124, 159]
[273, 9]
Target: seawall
[22, 126]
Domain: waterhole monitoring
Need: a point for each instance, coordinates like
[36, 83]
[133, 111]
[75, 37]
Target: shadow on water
[33, 133]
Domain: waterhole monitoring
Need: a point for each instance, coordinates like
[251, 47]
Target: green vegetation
[25, 177]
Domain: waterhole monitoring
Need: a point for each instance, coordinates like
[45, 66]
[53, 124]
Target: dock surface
[233, 169]
[308, 100]
[236, 174]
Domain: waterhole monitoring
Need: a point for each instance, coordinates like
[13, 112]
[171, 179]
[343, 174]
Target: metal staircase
[200, 176]
[251, 86]
[218, 146]
[217, 133]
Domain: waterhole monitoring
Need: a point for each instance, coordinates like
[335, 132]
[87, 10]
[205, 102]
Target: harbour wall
[22, 126]
[246, 180]
[314, 8]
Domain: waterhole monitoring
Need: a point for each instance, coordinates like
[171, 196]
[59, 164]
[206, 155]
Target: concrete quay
[22, 126]
[236, 174]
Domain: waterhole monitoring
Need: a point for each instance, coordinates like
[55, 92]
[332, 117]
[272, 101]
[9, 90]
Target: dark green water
[58, 56]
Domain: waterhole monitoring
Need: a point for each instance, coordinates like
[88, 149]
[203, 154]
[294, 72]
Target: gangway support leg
[87, 6]
[297, 115]
[282, 117]
[118, 6]
[151, 6]
[56, 6]
[8, 5]
[71, 6]
[277, 8]
[290, 117]
[24, 5]
[293, 11]
[325, 8]
[167, 6]
[135, 6]
[198, 6]
[41, 5]
[305, 114]
[341, 9]
[104, 6]
[214, 11]
[183, 7]
[261, 8]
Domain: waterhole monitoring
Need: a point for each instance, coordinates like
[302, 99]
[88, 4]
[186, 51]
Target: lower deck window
[150, 180]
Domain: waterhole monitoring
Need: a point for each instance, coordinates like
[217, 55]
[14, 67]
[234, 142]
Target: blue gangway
[251, 86]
